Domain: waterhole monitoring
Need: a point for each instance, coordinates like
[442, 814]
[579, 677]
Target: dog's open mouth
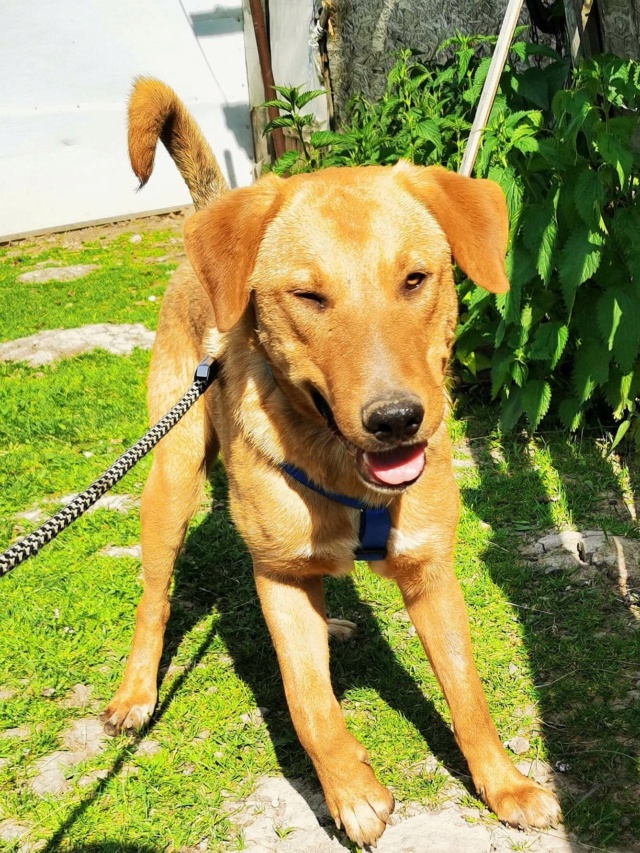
[395, 469]
[392, 469]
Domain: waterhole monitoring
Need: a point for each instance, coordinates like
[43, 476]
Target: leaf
[588, 197]
[285, 162]
[579, 259]
[322, 138]
[545, 259]
[526, 144]
[463, 58]
[289, 93]
[526, 319]
[619, 391]
[539, 231]
[613, 151]
[590, 369]
[608, 314]
[520, 268]
[280, 105]
[533, 85]
[536, 398]
[500, 369]
[303, 99]
[519, 373]
[620, 434]
[515, 118]
[625, 228]
[510, 184]
[488, 145]
[570, 413]
[549, 342]
[429, 130]
[279, 121]
[473, 93]
[617, 319]
[512, 410]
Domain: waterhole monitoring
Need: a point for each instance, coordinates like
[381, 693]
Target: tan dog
[329, 300]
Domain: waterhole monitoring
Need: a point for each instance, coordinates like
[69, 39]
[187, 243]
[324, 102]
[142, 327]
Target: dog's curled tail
[156, 112]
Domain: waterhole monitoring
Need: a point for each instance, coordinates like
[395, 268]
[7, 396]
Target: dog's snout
[393, 420]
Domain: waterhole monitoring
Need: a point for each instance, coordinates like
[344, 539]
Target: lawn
[559, 658]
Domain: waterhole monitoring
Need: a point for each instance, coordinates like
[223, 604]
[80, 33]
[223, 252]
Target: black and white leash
[204, 375]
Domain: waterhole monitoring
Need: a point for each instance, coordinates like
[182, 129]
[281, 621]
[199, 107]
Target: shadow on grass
[215, 570]
[577, 638]
[582, 643]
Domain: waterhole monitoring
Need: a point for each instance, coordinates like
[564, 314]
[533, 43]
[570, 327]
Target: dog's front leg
[434, 602]
[295, 614]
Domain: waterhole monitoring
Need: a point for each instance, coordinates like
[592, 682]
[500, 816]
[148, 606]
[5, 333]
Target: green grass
[67, 615]
[117, 292]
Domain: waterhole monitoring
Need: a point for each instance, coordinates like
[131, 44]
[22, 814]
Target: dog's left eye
[414, 280]
[309, 295]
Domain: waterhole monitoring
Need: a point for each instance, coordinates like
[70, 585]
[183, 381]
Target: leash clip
[207, 370]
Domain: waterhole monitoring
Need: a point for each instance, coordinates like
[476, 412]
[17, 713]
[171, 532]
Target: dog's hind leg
[170, 498]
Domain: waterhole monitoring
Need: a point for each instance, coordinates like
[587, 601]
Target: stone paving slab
[42, 276]
[121, 503]
[45, 347]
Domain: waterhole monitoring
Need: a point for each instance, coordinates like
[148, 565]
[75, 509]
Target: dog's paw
[128, 713]
[340, 630]
[357, 802]
[524, 804]
[363, 812]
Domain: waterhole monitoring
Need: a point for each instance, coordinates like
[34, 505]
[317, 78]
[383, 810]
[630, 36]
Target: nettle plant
[565, 147]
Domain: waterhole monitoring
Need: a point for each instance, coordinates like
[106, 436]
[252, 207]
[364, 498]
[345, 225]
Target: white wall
[65, 71]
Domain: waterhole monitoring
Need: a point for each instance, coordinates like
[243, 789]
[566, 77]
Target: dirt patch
[463, 459]
[288, 816]
[83, 740]
[76, 238]
[17, 732]
[133, 551]
[80, 697]
[12, 831]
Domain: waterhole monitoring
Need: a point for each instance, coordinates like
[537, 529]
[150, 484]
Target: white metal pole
[490, 85]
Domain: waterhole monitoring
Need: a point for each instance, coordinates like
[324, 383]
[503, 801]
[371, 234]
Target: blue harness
[375, 524]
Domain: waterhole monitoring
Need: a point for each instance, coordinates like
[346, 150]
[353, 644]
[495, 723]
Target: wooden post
[264, 55]
[490, 86]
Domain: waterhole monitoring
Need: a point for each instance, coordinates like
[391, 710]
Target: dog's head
[350, 275]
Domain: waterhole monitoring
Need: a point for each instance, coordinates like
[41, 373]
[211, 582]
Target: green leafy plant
[565, 148]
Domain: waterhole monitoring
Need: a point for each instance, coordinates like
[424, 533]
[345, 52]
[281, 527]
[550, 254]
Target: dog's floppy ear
[472, 212]
[222, 244]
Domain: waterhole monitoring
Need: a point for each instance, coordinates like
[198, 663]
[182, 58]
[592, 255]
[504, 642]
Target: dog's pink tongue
[395, 467]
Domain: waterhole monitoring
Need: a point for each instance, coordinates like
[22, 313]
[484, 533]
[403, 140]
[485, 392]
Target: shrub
[565, 148]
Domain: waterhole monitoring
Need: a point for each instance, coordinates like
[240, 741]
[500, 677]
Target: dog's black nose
[393, 421]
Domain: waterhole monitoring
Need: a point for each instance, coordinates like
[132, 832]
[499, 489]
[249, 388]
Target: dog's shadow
[215, 570]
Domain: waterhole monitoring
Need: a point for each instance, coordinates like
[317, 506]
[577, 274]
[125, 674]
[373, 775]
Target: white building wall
[65, 73]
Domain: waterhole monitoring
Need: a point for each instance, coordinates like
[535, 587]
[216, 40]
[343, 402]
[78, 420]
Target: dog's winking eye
[310, 296]
[414, 280]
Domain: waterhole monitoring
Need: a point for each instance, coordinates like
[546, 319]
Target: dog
[329, 301]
